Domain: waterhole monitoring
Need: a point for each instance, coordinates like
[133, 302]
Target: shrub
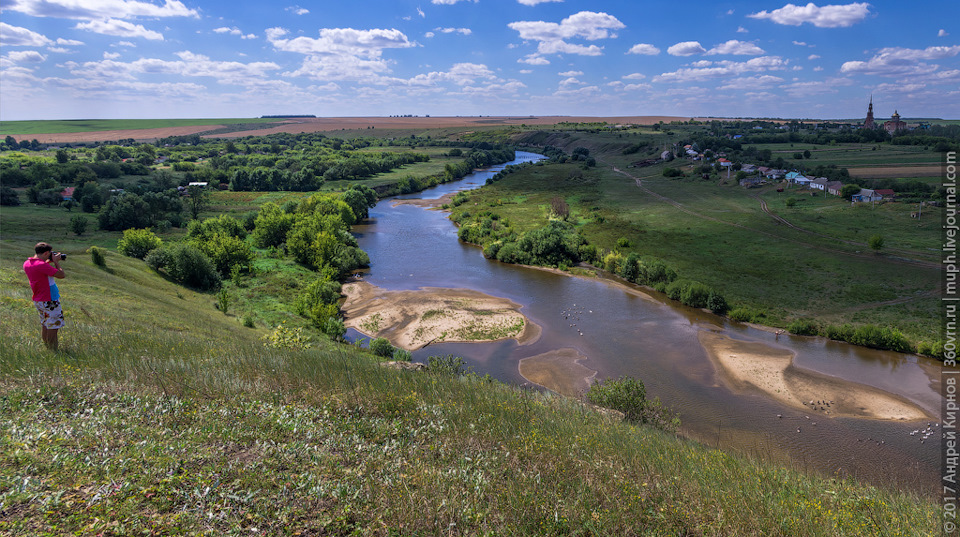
[695, 295]
[402, 355]
[447, 365]
[138, 243]
[381, 347]
[745, 315]
[78, 224]
[186, 265]
[223, 301]
[629, 395]
[9, 196]
[227, 252]
[98, 256]
[287, 338]
[803, 327]
[717, 303]
[335, 329]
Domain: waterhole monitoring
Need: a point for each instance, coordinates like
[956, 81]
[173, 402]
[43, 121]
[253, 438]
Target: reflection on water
[625, 334]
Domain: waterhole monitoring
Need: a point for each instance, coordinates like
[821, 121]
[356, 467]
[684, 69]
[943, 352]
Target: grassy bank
[162, 415]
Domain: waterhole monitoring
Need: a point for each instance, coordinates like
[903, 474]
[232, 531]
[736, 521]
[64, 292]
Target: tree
[806, 153]
[9, 196]
[62, 156]
[125, 211]
[198, 199]
[78, 224]
[560, 208]
[876, 243]
[848, 191]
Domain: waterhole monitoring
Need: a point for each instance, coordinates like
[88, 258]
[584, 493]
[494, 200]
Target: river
[657, 341]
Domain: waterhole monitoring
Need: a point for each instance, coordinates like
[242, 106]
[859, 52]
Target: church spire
[868, 123]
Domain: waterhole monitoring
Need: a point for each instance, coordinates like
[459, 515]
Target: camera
[59, 256]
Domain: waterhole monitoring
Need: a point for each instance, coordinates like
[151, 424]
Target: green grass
[26, 128]
[162, 415]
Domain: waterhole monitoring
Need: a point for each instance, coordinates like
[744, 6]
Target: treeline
[869, 335]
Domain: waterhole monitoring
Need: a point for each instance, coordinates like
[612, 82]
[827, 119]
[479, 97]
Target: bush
[717, 303]
[185, 264]
[138, 243]
[98, 256]
[9, 197]
[78, 224]
[745, 315]
[695, 295]
[628, 395]
[402, 355]
[227, 252]
[447, 365]
[803, 327]
[381, 347]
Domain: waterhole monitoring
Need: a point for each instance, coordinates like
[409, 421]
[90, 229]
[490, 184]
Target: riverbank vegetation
[165, 414]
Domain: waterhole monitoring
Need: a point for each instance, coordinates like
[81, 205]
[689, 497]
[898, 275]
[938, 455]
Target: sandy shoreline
[559, 371]
[415, 319]
[754, 366]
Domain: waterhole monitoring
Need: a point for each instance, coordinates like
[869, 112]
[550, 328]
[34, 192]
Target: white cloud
[832, 16]
[570, 82]
[234, 31]
[297, 10]
[742, 30]
[738, 48]
[813, 57]
[462, 31]
[125, 44]
[450, 2]
[341, 41]
[644, 49]
[551, 37]
[15, 36]
[535, 2]
[751, 82]
[942, 33]
[897, 61]
[635, 76]
[818, 69]
[429, 35]
[189, 65]
[686, 48]
[111, 55]
[571, 73]
[534, 59]
[421, 13]
[120, 28]
[722, 68]
[100, 9]
[26, 56]
[69, 42]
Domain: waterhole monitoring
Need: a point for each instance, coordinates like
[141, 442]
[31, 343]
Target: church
[892, 126]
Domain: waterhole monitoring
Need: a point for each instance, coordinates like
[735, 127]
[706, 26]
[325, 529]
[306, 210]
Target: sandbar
[755, 366]
[415, 319]
[559, 371]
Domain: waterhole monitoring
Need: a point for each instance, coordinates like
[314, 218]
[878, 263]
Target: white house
[866, 195]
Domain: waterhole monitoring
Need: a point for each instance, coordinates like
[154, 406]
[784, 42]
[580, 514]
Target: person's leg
[43, 333]
[51, 339]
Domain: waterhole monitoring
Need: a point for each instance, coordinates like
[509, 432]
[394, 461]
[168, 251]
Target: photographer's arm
[60, 273]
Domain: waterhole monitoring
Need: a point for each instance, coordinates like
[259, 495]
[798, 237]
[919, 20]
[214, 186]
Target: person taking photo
[42, 269]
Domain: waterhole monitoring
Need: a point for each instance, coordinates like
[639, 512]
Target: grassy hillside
[162, 415]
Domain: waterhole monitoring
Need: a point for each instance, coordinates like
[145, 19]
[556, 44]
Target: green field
[26, 128]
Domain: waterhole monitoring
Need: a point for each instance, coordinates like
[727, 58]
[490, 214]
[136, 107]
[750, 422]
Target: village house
[866, 195]
[886, 194]
[834, 187]
[748, 168]
[820, 183]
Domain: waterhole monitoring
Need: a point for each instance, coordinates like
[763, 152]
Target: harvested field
[883, 172]
[298, 125]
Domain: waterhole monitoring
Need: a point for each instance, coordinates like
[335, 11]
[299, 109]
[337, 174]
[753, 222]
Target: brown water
[656, 341]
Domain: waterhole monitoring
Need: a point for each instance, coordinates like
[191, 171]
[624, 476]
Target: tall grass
[163, 415]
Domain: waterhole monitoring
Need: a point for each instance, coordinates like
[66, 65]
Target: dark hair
[42, 247]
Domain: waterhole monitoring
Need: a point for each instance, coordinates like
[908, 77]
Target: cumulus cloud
[189, 65]
[571, 73]
[120, 28]
[751, 82]
[832, 16]
[738, 48]
[644, 49]
[635, 76]
[534, 59]
[450, 2]
[341, 53]
[552, 37]
[234, 31]
[942, 33]
[297, 10]
[101, 9]
[462, 31]
[742, 30]
[898, 61]
[111, 55]
[535, 2]
[15, 36]
[26, 56]
[686, 48]
[707, 70]
[813, 57]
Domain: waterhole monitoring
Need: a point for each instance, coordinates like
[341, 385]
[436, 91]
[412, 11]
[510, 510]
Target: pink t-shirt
[40, 273]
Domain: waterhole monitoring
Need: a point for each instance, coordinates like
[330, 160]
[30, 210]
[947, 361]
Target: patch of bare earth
[884, 172]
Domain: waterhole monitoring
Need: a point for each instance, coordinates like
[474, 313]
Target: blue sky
[71, 59]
